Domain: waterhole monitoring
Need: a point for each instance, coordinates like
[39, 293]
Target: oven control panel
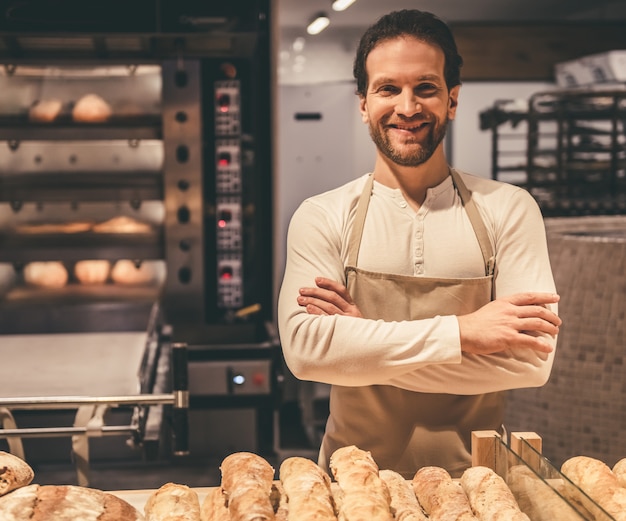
[230, 377]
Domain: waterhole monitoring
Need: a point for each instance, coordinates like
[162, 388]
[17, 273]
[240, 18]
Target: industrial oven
[135, 198]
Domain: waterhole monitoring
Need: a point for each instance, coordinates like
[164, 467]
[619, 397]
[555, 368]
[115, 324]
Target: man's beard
[417, 155]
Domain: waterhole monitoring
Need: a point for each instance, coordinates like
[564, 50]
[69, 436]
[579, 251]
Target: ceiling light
[341, 5]
[318, 24]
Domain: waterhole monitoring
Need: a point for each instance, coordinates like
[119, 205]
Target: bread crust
[247, 483]
[404, 504]
[596, 479]
[361, 495]
[441, 498]
[490, 497]
[173, 502]
[14, 473]
[307, 490]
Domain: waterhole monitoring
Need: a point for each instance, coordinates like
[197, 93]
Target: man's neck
[413, 181]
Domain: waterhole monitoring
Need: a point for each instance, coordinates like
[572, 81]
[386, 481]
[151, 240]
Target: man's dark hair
[417, 24]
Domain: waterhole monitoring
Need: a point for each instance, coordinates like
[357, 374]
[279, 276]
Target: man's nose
[408, 104]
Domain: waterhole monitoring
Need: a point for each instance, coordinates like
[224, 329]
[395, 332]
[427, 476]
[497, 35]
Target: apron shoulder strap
[359, 222]
[477, 222]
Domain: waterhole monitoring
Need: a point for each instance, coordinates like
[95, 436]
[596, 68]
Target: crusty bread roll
[490, 497]
[128, 273]
[45, 111]
[91, 108]
[537, 499]
[279, 502]
[307, 490]
[597, 480]
[215, 506]
[619, 469]
[247, 483]
[92, 271]
[362, 494]
[14, 473]
[45, 274]
[441, 498]
[65, 503]
[404, 504]
[173, 502]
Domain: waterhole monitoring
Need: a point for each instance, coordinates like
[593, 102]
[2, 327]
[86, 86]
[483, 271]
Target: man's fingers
[532, 297]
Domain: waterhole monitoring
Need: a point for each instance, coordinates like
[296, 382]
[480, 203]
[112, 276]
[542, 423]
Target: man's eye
[427, 89]
[387, 89]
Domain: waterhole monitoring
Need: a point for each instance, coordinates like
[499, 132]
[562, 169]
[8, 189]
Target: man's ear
[453, 101]
[363, 109]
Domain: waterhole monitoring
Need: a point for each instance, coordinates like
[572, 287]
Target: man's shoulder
[344, 194]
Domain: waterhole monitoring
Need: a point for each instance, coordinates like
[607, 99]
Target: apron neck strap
[468, 203]
[477, 222]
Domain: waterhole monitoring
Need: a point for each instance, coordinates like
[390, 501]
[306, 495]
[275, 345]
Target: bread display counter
[501, 484]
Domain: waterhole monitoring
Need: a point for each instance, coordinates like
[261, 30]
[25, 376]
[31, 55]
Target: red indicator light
[226, 273]
[224, 159]
[223, 102]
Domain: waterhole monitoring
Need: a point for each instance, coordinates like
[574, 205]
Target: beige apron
[406, 430]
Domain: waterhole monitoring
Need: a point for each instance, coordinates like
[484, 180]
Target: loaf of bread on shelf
[121, 224]
[307, 490]
[279, 502]
[404, 504]
[538, 499]
[45, 274]
[50, 228]
[361, 493]
[65, 503]
[619, 469]
[45, 110]
[596, 479]
[173, 502]
[490, 497]
[129, 273]
[14, 473]
[91, 272]
[91, 108]
[247, 483]
[441, 498]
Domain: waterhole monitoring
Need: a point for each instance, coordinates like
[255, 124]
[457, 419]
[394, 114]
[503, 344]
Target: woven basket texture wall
[582, 409]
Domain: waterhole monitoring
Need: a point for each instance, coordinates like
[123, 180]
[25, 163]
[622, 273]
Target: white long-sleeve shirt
[436, 241]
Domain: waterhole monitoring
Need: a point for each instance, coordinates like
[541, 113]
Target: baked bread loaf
[46, 274]
[247, 483]
[306, 488]
[45, 111]
[121, 224]
[597, 480]
[14, 473]
[173, 502]
[361, 494]
[537, 499]
[215, 506]
[91, 108]
[50, 228]
[128, 273]
[490, 497]
[619, 469]
[92, 271]
[441, 498]
[65, 503]
[404, 504]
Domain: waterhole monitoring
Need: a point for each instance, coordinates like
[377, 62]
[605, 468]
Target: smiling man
[419, 292]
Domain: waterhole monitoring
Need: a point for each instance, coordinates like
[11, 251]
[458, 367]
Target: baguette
[537, 499]
[173, 502]
[307, 490]
[597, 480]
[215, 506]
[362, 495]
[404, 504]
[14, 473]
[441, 498]
[619, 469]
[65, 503]
[247, 483]
[490, 497]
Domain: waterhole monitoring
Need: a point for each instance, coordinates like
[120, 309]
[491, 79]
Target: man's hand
[514, 321]
[328, 298]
